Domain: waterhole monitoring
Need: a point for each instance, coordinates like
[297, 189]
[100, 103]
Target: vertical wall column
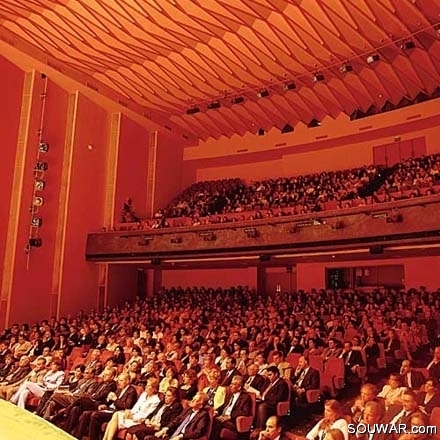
[16, 200]
[151, 177]
[261, 279]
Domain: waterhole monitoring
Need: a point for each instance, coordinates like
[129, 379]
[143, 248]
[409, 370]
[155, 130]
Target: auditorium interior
[263, 233]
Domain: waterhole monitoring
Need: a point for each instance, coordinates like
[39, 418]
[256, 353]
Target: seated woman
[188, 389]
[170, 379]
[392, 391]
[146, 404]
[164, 414]
[430, 397]
[333, 419]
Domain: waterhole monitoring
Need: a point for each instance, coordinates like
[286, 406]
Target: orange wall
[132, 167]
[79, 287]
[33, 282]
[210, 277]
[337, 144]
[168, 170]
[419, 271]
[11, 92]
[121, 283]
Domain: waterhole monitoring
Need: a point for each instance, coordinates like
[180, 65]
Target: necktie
[301, 378]
[402, 417]
[249, 381]
[181, 428]
[266, 391]
[228, 408]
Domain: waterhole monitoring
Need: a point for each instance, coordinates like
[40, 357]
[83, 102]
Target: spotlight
[373, 58]
[317, 77]
[261, 132]
[43, 147]
[408, 45]
[264, 93]
[237, 100]
[36, 222]
[38, 201]
[290, 86]
[287, 129]
[193, 110]
[314, 123]
[346, 68]
[41, 166]
[213, 105]
[39, 185]
[35, 242]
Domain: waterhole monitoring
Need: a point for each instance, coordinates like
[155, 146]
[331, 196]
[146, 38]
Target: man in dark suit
[304, 379]
[193, 423]
[238, 403]
[352, 361]
[229, 373]
[410, 378]
[272, 431]
[254, 382]
[162, 416]
[124, 398]
[434, 366]
[276, 391]
[89, 402]
[401, 414]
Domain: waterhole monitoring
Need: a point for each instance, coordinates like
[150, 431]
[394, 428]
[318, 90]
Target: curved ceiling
[163, 57]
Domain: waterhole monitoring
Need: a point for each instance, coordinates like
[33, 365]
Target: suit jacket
[198, 427]
[417, 380]
[279, 392]
[100, 392]
[259, 382]
[354, 359]
[434, 371]
[17, 375]
[226, 378]
[242, 406]
[127, 400]
[431, 404]
[392, 412]
[169, 414]
[311, 380]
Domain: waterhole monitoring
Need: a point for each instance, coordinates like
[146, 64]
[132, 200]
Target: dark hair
[273, 369]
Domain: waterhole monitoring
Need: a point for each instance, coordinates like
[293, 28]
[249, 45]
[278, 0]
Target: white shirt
[229, 407]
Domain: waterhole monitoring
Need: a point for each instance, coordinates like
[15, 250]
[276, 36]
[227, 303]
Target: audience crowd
[232, 200]
[229, 363]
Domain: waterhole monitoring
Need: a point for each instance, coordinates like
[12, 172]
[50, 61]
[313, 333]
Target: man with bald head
[253, 381]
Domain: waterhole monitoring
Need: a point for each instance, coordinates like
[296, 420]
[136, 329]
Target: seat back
[211, 421]
[244, 423]
[283, 408]
[293, 359]
[435, 421]
[316, 362]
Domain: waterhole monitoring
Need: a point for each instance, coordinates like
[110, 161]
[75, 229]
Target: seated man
[400, 413]
[368, 394]
[410, 378]
[332, 351]
[434, 366]
[273, 431]
[36, 375]
[276, 391]
[146, 404]
[284, 367]
[371, 416]
[237, 404]
[89, 401]
[352, 361]
[193, 423]
[305, 378]
[253, 381]
[16, 376]
[124, 398]
[51, 381]
[162, 417]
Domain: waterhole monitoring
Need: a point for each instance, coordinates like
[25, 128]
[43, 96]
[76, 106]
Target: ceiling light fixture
[346, 68]
[287, 129]
[237, 100]
[317, 77]
[408, 45]
[290, 86]
[263, 93]
[373, 58]
[213, 105]
[192, 110]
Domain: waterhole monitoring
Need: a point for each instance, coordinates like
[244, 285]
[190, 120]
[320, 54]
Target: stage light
[237, 100]
[346, 68]
[373, 58]
[36, 222]
[38, 201]
[264, 93]
[287, 129]
[193, 111]
[213, 105]
[39, 185]
[35, 242]
[41, 166]
[43, 147]
[317, 77]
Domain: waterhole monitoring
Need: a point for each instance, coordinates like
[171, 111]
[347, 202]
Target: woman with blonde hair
[333, 420]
